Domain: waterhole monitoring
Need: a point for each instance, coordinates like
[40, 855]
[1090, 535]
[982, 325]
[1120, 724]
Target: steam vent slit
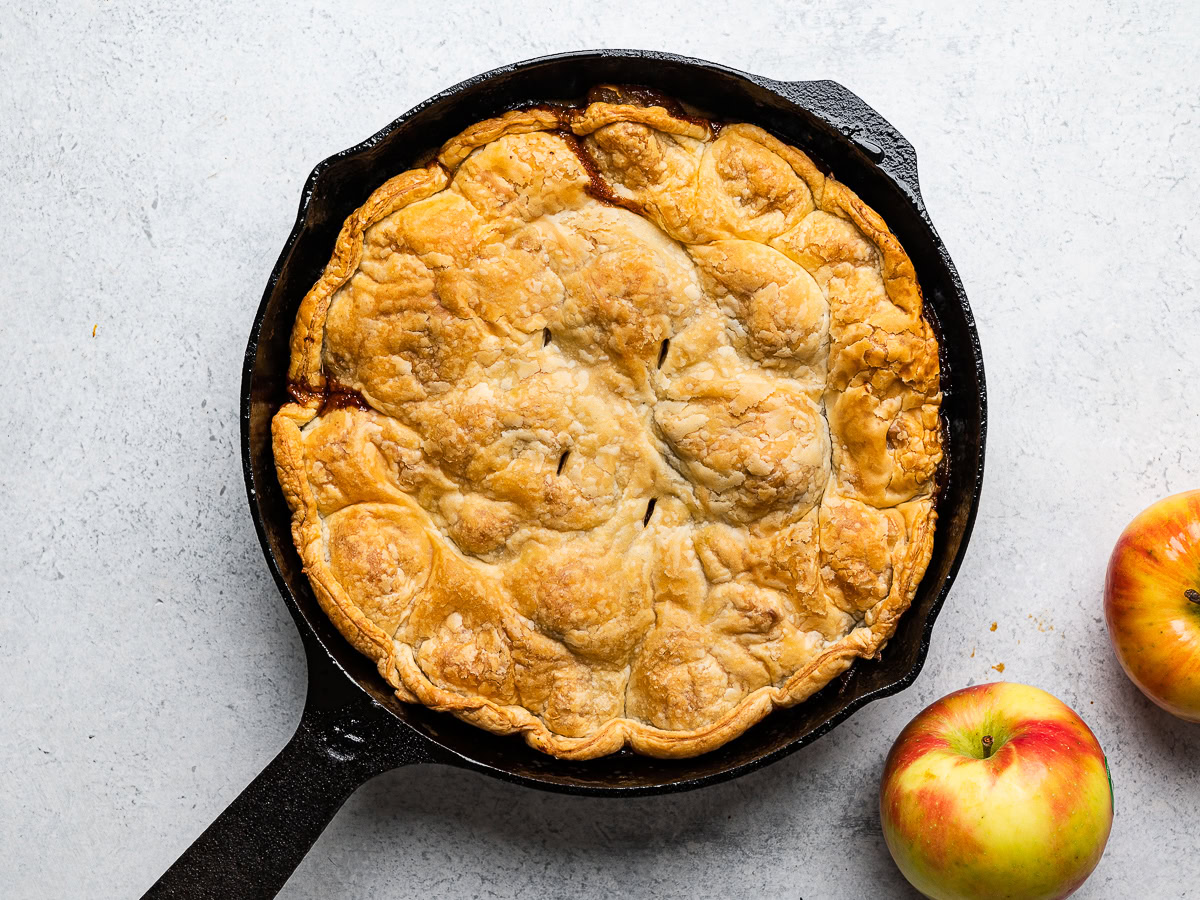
[649, 511]
[546, 337]
[562, 461]
[662, 354]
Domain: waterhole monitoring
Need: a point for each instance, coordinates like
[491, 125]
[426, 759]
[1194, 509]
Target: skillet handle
[258, 841]
[872, 133]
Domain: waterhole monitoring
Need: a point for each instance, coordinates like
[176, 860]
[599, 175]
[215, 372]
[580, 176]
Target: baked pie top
[613, 426]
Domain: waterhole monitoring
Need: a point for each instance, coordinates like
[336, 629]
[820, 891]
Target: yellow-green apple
[997, 791]
[1152, 603]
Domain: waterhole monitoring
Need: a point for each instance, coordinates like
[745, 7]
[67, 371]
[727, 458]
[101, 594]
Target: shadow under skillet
[756, 834]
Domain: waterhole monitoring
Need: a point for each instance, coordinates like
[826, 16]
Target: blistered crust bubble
[613, 427]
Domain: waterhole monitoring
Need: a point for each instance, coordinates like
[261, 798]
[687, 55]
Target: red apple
[997, 791]
[1152, 603]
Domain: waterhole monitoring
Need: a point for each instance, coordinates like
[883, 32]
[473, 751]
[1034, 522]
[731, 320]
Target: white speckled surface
[151, 161]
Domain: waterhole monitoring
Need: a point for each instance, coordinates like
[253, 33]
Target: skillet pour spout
[353, 727]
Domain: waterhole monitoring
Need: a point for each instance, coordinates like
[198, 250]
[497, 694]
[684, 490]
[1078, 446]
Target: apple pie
[613, 426]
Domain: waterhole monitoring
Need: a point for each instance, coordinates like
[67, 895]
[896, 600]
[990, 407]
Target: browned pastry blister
[625, 473]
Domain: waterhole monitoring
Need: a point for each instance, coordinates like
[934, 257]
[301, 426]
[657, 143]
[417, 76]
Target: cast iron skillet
[352, 727]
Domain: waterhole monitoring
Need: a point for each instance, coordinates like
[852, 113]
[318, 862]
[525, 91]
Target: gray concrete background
[151, 160]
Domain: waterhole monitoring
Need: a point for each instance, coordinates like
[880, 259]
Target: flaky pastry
[613, 427]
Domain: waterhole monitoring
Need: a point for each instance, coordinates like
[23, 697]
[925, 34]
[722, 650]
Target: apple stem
[1192, 594]
[987, 746]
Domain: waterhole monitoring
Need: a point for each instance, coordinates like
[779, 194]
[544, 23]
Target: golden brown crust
[624, 476]
[305, 368]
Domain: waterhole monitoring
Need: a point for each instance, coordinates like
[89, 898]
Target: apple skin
[1154, 626]
[1027, 823]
